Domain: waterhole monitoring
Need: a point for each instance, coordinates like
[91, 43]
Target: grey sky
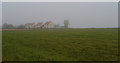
[60, 0]
[0, 13]
[79, 14]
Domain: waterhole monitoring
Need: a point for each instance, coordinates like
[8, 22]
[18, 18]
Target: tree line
[10, 26]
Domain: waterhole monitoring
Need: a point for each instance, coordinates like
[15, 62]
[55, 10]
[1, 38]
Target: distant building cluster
[47, 24]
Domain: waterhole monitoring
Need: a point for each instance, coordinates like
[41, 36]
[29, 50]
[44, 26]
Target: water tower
[66, 23]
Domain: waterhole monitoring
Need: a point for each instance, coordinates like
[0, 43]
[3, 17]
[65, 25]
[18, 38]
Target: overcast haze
[80, 14]
[60, 0]
[0, 13]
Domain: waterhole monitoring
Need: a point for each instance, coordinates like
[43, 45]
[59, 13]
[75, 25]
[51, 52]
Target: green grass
[61, 45]
[0, 46]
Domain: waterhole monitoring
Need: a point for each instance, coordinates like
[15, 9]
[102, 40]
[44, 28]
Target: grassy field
[0, 46]
[61, 45]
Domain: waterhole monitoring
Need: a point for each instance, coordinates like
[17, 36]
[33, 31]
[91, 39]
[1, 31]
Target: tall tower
[66, 23]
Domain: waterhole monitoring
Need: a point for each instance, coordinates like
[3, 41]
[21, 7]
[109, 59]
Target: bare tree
[7, 26]
[21, 27]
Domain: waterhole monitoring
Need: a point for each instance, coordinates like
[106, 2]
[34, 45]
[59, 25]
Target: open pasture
[92, 44]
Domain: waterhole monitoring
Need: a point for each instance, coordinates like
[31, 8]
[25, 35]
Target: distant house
[30, 25]
[48, 24]
[39, 25]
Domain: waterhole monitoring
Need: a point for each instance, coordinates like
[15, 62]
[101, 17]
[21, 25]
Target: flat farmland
[90, 44]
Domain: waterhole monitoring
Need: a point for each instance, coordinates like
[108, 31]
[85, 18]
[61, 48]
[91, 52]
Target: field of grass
[0, 46]
[61, 45]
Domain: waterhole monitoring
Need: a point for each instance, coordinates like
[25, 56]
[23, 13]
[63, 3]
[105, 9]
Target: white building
[48, 24]
[39, 25]
[30, 25]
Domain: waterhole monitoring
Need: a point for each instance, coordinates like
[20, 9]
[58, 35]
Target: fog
[0, 13]
[79, 14]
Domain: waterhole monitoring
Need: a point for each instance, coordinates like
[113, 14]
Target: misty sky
[0, 13]
[60, 0]
[79, 14]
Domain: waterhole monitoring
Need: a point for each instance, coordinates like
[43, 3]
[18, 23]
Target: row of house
[47, 24]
